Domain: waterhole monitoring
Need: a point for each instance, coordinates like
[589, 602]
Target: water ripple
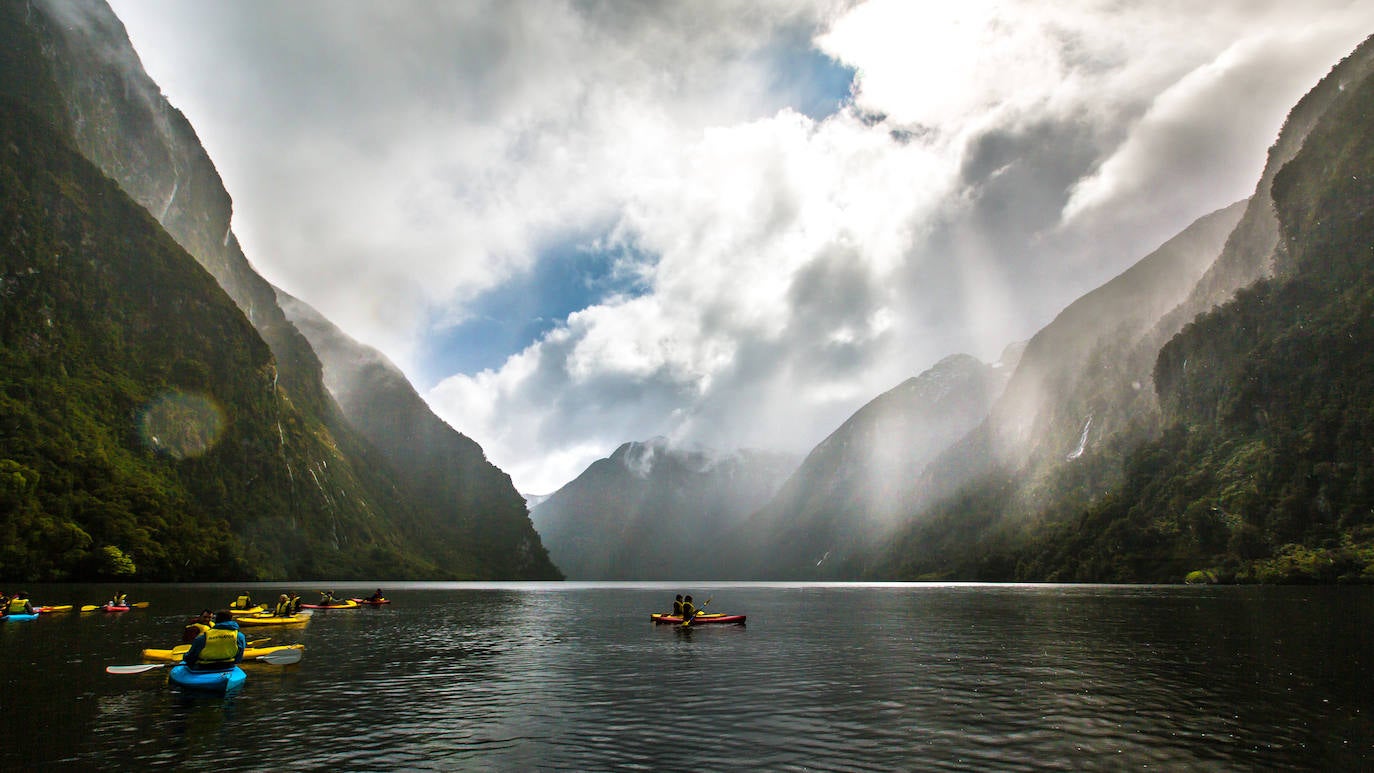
[828, 678]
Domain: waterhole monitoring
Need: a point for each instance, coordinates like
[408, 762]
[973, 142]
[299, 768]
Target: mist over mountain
[1153, 489]
[847, 494]
[655, 511]
[481, 516]
[334, 501]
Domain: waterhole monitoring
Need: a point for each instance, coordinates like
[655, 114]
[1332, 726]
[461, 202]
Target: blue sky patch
[567, 277]
[809, 81]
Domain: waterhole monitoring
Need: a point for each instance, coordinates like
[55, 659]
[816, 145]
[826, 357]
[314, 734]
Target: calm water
[834, 677]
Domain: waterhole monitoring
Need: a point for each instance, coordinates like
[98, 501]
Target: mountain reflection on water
[824, 677]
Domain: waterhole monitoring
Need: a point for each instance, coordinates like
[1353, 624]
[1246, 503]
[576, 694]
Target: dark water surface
[573, 676]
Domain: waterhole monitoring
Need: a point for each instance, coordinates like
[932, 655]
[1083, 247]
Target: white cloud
[390, 162]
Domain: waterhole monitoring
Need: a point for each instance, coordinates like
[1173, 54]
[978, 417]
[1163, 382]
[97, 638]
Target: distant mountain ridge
[851, 488]
[652, 510]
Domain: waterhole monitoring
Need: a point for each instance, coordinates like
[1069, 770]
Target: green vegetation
[148, 430]
[1264, 471]
[141, 434]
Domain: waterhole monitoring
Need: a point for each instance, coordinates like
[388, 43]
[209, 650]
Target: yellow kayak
[296, 619]
[253, 610]
[175, 654]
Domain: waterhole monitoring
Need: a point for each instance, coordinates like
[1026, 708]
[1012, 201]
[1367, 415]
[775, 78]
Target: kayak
[20, 617]
[175, 654]
[112, 608]
[296, 619]
[706, 617]
[373, 602]
[211, 681]
[350, 604]
[256, 610]
[46, 610]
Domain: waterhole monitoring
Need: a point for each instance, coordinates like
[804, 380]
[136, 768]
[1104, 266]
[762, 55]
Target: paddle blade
[89, 607]
[134, 669]
[259, 642]
[140, 605]
[282, 657]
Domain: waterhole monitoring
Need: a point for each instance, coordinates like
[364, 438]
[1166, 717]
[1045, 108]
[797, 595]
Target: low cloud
[392, 162]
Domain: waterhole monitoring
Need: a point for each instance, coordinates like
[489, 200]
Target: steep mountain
[655, 511]
[1080, 394]
[140, 433]
[70, 65]
[842, 501]
[483, 516]
[1248, 467]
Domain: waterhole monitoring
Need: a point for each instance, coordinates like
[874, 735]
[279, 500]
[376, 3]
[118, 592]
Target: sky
[731, 224]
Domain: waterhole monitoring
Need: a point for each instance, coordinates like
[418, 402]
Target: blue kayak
[19, 617]
[212, 681]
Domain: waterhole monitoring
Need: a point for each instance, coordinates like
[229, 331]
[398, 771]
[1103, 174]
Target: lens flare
[182, 425]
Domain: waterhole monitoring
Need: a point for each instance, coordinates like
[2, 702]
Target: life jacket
[688, 611]
[243, 602]
[17, 607]
[221, 647]
[283, 608]
[677, 608]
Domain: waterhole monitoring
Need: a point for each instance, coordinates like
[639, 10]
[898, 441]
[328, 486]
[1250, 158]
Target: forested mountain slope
[337, 504]
[1262, 469]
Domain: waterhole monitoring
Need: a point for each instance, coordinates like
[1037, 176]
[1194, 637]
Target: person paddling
[219, 648]
[677, 606]
[19, 605]
[689, 610]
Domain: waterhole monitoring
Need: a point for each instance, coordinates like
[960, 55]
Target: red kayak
[373, 602]
[702, 618]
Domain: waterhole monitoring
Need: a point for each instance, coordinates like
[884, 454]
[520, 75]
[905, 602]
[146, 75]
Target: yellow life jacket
[283, 608]
[17, 606]
[221, 646]
[243, 602]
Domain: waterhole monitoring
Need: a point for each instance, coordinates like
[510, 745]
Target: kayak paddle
[281, 657]
[94, 607]
[278, 658]
[688, 620]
